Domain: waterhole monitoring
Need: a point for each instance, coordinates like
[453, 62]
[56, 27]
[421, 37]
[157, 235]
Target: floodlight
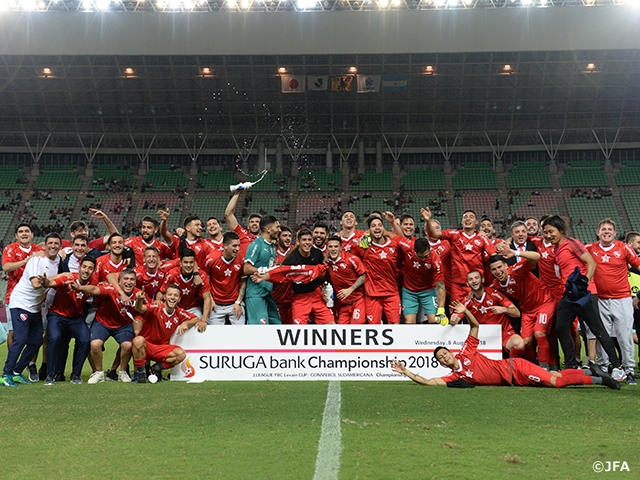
[383, 3]
[103, 5]
[440, 3]
[245, 4]
[396, 3]
[232, 3]
[174, 4]
[29, 5]
[527, 3]
[87, 5]
[188, 4]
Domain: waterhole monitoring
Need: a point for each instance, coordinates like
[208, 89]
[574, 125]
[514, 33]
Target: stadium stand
[364, 206]
[371, 182]
[535, 205]
[148, 204]
[215, 181]
[51, 213]
[475, 177]
[432, 201]
[12, 178]
[629, 175]
[115, 206]
[161, 179]
[316, 207]
[484, 204]
[319, 181]
[423, 180]
[534, 175]
[206, 206]
[272, 182]
[587, 212]
[112, 177]
[581, 176]
[631, 201]
[59, 178]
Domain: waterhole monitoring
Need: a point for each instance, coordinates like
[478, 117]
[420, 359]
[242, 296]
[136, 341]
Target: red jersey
[612, 271]
[112, 313]
[419, 275]
[568, 253]
[343, 273]
[381, 264]
[351, 241]
[14, 252]
[477, 369]
[191, 294]
[481, 309]
[216, 245]
[226, 278]
[200, 246]
[246, 237]
[467, 253]
[547, 268]
[282, 292]
[68, 303]
[159, 325]
[104, 266]
[523, 287]
[149, 283]
[98, 244]
[137, 244]
[443, 249]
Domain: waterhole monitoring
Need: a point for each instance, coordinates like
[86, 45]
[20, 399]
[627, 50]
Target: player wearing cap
[470, 367]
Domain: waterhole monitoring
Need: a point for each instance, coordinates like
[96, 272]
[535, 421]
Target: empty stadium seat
[475, 177]
[423, 180]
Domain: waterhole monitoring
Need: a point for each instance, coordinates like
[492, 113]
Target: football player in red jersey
[491, 308]
[112, 263]
[347, 275]
[80, 227]
[282, 293]
[14, 258]
[468, 250]
[214, 230]
[66, 320]
[575, 263]
[614, 294]
[113, 319]
[320, 234]
[247, 235]
[536, 304]
[442, 248]
[381, 262]
[349, 235]
[149, 276]
[154, 330]
[191, 239]
[194, 285]
[470, 367]
[225, 271]
[146, 239]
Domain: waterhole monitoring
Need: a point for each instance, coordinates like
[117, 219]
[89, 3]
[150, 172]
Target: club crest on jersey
[477, 242]
[23, 316]
[616, 254]
[490, 303]
[467, 362]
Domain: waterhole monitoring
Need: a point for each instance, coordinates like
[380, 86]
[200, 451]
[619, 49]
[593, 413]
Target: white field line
[330, 445]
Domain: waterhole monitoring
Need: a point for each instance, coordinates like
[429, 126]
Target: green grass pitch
[264, 430]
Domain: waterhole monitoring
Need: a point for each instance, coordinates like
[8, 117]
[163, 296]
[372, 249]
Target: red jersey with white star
[351, 241]
[568, 253]
[104, 266]
[477, 369]
[547, 268]
[612, 270]
[467, 253]
[112, 313]
[481, 309]
[14, 252]
[68, 303]
[159, 325]
[523, 287]
[149, 283]
[226, 277]
[246, 237]
[443, 249]
[98, 244]
[381, 263]
[200, 246]
[343, 273]
[282, 292]
[191, 294]
[419, 275]
[137, 244]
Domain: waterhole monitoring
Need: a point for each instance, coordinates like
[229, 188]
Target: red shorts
[527, 374]
[506, 336]
[306, 303]
[352, 313]
[459, 292]
[540, 321]
[159, 353]
[285, 313]
[375, 306]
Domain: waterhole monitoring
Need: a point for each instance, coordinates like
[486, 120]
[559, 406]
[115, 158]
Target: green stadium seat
[319, 181]
[575, 177]
[424, 180]
[586, 213]
[475, 178]
[371, 182]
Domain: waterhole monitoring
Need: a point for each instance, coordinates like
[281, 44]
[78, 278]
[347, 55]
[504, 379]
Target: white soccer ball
[152, 378]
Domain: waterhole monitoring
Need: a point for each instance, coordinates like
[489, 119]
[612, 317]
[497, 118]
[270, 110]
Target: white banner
[321, 352]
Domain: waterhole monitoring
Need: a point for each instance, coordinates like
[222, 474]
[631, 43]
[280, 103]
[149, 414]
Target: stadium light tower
[29, 5]
[103, 5]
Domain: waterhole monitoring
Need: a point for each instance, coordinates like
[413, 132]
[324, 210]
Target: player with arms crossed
[470, 367]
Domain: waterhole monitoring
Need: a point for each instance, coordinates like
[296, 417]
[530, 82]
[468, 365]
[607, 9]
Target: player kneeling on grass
[470, 367]
[159, 322]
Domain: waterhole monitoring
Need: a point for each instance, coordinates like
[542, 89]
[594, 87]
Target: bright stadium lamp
[188, 4]
[396, 3]
[527, 3]
[161, 4]
[232, 3]
[383, 3]
[87, 5]
[174, 4]
[304, 4]
[103, 5]
[42, 5]
[245, 4]
[29, 5]
[440, 3]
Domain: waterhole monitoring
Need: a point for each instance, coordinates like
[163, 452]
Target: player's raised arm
[230, 211]
[426, 216]
[164, 228]
[460, 309]
[400, 367]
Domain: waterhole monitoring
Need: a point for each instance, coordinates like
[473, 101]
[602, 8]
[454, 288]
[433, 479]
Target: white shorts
[223, 312]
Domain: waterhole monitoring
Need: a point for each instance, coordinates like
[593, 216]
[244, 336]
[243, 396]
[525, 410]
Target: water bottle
[240, 186]
[328, 288]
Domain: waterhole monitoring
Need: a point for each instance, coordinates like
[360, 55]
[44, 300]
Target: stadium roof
[475, 79]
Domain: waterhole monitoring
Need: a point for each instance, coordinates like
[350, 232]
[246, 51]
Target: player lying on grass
[470, 368]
